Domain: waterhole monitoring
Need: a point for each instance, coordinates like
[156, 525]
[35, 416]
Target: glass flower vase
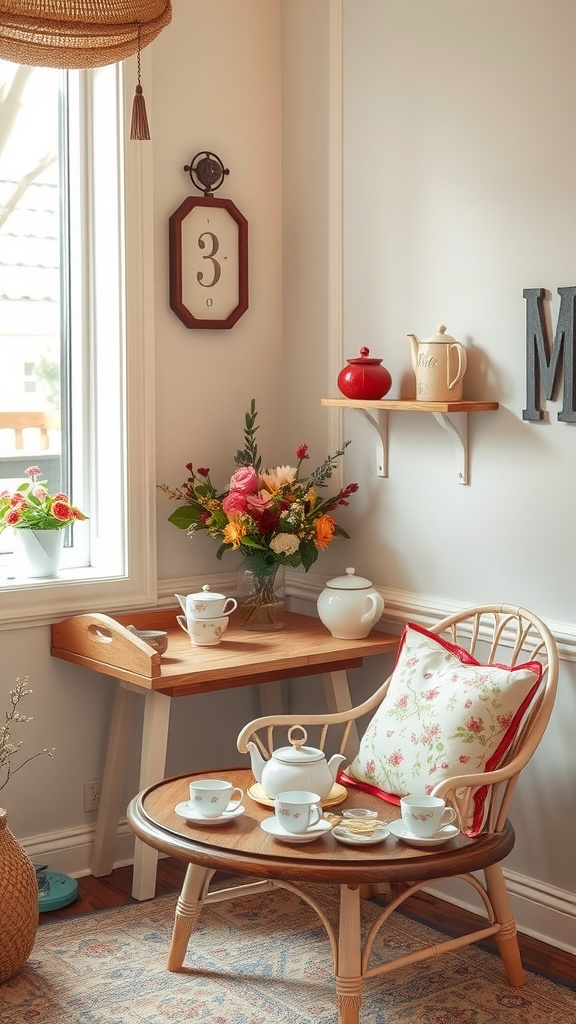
[261, 595]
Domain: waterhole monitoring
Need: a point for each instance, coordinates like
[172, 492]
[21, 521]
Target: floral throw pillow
[444, 715]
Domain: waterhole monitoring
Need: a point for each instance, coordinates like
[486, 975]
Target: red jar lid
[363, 360]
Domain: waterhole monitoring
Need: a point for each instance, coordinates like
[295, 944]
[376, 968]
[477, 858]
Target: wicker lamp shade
[78, 33]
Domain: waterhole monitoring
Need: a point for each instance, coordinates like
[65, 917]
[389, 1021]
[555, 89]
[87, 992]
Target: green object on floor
[55, 890]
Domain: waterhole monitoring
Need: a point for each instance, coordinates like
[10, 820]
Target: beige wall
[458, 193]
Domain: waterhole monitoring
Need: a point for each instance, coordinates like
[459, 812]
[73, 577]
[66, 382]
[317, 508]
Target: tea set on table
[205, 617]
[297, 781]
[299, 784]
[349, 606]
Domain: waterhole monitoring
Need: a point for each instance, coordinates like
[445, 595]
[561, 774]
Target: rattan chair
[493, 634]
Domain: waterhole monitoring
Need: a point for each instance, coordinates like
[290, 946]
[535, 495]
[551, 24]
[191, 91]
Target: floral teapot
[295, 767]
[439, 365]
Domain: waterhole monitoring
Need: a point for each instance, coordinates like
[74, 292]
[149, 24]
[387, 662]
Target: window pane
[30, 285]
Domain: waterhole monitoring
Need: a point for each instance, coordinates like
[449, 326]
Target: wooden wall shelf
[452, 417]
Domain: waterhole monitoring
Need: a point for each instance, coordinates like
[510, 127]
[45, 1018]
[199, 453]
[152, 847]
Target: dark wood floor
[114, 890]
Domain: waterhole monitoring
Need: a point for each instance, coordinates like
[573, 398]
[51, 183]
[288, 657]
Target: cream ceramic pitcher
[439, 364]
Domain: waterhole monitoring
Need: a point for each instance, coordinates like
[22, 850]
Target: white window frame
[83, 590]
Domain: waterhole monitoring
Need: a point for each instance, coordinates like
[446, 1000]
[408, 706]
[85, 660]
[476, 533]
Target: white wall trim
[401, 606]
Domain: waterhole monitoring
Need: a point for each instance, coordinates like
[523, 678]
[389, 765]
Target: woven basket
[18, 903]
[78, 33]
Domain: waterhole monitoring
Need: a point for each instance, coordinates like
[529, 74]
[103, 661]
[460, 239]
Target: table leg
[152, 766]
[112, 790]
[188, 909]
[271, 700]
[349, 966]
[337, 696]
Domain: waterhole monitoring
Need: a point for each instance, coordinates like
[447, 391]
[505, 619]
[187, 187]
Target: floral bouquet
[31, 507]
[274, 517]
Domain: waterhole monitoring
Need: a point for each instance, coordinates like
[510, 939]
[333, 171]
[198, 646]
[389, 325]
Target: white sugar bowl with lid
[206, 604]
[349, 606]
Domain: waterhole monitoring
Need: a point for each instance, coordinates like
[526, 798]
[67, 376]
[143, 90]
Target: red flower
[13, 516]
[302, 452]
[203, 472]
[32, 471]
[60, 510]
[475, 725]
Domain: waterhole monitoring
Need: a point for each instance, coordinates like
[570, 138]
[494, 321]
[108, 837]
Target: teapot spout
[334, 763]
[257, 762]
[414, 342]
[182, 602]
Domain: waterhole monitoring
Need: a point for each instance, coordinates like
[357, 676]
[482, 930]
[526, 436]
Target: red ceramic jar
[364, 378]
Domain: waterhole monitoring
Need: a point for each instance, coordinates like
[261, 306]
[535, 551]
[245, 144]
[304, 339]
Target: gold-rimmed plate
[336, 795]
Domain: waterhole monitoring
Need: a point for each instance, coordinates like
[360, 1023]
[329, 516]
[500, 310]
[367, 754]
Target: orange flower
[233, 533]
[324, 531]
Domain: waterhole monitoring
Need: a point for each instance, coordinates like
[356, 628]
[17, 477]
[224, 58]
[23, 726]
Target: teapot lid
[298, 753]
[349, 582]
[206, 595]
[441, 336]
[363, 359]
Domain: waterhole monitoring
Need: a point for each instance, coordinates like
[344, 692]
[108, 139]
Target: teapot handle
[297, 743]
[462, 363]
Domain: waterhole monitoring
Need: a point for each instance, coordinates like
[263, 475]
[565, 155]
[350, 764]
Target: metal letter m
[538, 360]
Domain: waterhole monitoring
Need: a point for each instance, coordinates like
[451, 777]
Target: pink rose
[245, 480]
[234, 504]
[259, 502]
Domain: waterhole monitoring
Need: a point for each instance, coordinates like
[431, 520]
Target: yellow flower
[311, 497]
[324, 531]
[276, 479]
[233, 533]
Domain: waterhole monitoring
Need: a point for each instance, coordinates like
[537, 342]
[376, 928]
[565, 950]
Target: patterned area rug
[263, 958]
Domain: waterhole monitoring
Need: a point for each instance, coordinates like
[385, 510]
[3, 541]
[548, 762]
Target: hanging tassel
[139, 129]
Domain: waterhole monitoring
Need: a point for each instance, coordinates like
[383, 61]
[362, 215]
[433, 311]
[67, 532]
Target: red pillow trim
[347, 780]
[494, 761]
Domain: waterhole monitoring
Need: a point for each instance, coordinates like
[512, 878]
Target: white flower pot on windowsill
[40, 552]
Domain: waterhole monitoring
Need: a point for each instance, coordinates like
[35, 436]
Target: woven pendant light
[82, 34]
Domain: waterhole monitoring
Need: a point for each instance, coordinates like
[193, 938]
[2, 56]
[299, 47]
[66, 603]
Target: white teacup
[204, 632]
[211, 797]
[206, 605]
[296, 811]
[424, 816]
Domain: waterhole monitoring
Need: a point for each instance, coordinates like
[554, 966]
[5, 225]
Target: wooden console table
[102, 643]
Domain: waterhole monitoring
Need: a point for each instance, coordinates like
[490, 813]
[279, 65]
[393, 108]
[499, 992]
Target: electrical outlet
[92, 795]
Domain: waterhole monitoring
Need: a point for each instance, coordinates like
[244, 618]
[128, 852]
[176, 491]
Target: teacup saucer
[271, 826]
[344, 835]
[398, 829]
[186, 810]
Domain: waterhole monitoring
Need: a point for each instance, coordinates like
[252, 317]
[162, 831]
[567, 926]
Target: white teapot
[349, 606]
[295, 767]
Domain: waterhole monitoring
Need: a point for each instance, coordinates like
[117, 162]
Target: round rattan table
[241, 847]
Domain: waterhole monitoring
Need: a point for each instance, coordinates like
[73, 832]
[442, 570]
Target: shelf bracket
[380, 424]
[456, 424]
